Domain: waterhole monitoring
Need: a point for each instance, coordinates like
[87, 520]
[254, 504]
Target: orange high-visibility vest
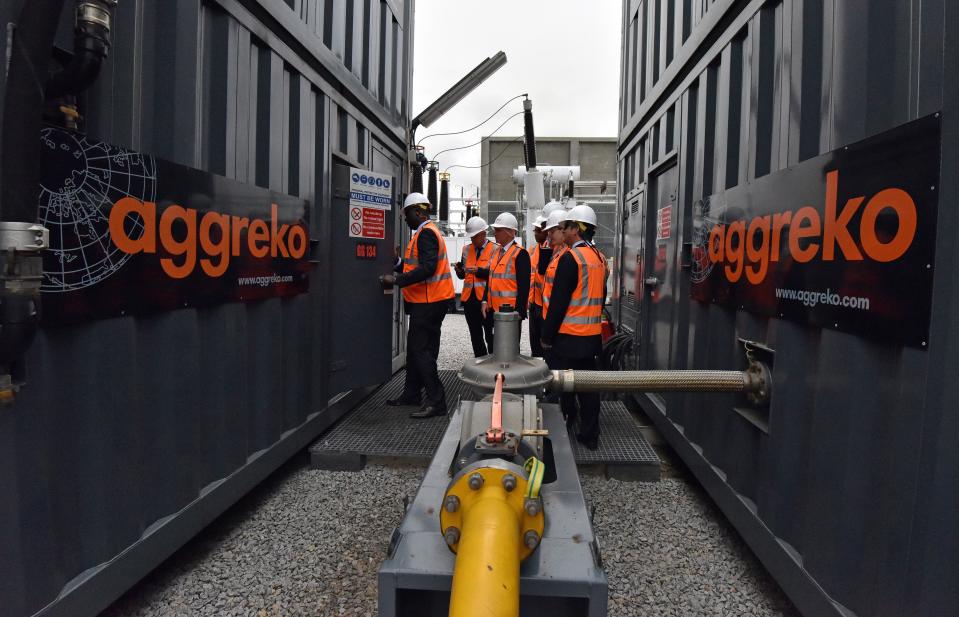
[503, 287]
[471, 284]
[536, 279]
[550, 276]
[584, 317]
[439, 286]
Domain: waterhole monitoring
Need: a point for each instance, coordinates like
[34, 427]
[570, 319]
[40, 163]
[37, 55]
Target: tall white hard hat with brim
[551, 206]
[556, 217]
[506, 220]
[582, 214]
[416, 199]
[539, 221]
[475, 225]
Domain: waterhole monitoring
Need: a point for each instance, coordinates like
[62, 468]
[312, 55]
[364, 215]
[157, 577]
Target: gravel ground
[310, 542]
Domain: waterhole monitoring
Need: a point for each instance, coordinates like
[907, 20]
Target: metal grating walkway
[373, 429]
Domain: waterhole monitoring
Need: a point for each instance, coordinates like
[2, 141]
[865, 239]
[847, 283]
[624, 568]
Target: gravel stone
[310, 542]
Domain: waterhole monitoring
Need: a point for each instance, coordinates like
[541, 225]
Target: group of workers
[559, 285]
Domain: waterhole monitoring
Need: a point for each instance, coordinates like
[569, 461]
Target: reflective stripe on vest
[536, 279]
[470, 260]
[585, 313]
[503, 287]
[436, 288]
[550, 277]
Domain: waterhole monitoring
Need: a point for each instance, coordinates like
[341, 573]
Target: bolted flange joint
[532, 506]
[509, 482]
[452, 504]
[452, 535]
[476, 482]
[531, 539]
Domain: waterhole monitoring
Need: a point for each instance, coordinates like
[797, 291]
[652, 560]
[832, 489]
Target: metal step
[373, 429]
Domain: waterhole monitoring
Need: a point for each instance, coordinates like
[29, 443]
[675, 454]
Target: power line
[478, 125]
[503, 151]
[436, 156]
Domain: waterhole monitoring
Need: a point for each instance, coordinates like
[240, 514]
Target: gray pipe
[506, 336]
[754, 381]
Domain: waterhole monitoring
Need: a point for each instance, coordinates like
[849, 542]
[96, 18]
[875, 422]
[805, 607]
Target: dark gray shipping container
[847, 486]
[133, 433]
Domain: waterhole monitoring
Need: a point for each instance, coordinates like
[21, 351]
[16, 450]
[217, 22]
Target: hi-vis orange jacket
[536, 279]
[439, 286]
[472, 285]
[503, 287]
[584, 316]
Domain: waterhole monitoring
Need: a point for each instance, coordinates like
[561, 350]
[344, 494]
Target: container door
[658, 278]
[362, 328]
[386, 163]
[631, 269]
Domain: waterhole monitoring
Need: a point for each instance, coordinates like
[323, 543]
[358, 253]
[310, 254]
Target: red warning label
[367, 223]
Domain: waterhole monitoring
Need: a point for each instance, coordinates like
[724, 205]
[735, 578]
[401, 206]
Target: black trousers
[481, 330]
[422, 350]
[535, 329]
[588, 409]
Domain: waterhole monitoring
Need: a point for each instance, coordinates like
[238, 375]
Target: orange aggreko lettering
[800, 231]
[899, 201]
[259, 232]
[716, 251]
[780, 220]
[239, 224]
[186, 247]
[147, 212]
[836, 231]
[735, 250]
[297, 242]
[220, 248]
[276, 237]
[760, 254]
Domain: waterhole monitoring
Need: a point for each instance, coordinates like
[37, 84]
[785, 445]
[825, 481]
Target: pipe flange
[759, 382]
[494, 473]
[23, 237]
[95, 13]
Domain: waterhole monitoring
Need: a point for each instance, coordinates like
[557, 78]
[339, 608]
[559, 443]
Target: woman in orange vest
[539, 252]
[427, 285]
[573, 296]
[473, 268]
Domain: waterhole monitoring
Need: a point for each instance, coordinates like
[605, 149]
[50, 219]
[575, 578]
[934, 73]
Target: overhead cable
[436, 156]
[478, 125]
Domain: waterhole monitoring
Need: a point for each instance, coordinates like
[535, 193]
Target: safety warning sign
[367, 222]
[370, 190]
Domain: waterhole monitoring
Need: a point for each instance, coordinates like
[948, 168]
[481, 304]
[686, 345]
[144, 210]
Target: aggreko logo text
[262, 239]
[750, 248]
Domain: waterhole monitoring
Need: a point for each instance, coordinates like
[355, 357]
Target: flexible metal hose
[654, 381]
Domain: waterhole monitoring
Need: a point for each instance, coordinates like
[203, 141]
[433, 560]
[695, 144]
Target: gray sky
[563, 53]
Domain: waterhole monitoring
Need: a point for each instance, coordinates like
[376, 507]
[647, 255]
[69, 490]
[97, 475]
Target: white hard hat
[506, 220]
[539, 221]
[475, 225]
[555, 218]
[552, 205]
[582, 214]
[416, 199]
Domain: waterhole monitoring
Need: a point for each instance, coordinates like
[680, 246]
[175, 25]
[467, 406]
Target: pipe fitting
[509, 482]
[532, 506]
[476, 482]
[531, 539]
[452, 504]
[452, 536]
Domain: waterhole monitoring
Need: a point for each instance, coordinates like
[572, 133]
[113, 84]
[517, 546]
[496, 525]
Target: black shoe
[429, 411]
[402, 401]
[590, 444]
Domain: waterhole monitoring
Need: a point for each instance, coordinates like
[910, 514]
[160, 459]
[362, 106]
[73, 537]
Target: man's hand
[387, 281]
[483, 309]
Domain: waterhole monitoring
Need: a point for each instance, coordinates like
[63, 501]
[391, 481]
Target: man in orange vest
[509, 271]
[427, 285]
[539, 252]
[574, 294]
[473, 268]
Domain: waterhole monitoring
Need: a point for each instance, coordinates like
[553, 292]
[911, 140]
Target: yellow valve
[492, 525]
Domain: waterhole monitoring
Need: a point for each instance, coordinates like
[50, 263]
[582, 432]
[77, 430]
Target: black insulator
[529, 137]
[569, 189]
[469, 212]
[431, 188]
[444, 200]
[416, 179]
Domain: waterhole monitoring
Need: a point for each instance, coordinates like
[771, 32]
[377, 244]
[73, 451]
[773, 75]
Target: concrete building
[596, 157]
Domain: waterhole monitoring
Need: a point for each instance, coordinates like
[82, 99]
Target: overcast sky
[563, 53]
